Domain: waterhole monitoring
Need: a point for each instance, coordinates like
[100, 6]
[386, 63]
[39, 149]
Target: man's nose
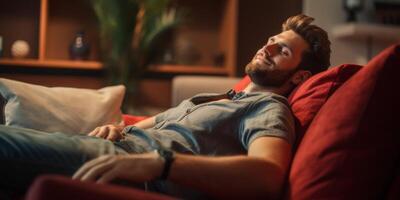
[271, 49]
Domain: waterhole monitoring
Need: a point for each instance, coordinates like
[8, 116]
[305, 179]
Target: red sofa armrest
[132, 119]
[50, 187]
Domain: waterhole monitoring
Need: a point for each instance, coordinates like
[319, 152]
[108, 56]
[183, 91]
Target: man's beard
[267, 77]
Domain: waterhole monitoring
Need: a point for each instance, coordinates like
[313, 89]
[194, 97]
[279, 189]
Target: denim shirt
[219, 127]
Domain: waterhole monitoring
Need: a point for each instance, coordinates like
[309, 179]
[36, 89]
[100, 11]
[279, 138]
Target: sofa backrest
[186, 86]
[351, 149]
[308, 98]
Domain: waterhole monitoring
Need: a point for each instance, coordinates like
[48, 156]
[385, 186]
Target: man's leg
[26, 153]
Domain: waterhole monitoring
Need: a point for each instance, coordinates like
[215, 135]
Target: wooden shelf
[93, 65]
[364, 31]
[49, 26]
[189, 69]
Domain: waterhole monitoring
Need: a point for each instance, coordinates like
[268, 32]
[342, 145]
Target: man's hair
[317, 57]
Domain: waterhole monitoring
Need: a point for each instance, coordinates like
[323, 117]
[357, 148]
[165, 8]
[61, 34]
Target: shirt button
[188, 111]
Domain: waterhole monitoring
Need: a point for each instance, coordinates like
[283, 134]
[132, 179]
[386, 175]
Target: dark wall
[259, 19]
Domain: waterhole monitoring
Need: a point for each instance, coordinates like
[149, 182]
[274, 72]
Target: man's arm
[146, 123]
[261, 173]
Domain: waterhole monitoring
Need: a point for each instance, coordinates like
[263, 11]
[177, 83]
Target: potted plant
[129, 32]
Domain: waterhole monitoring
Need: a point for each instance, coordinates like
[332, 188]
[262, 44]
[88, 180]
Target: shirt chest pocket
[208, 116]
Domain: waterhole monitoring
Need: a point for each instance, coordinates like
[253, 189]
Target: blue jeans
[26, 153]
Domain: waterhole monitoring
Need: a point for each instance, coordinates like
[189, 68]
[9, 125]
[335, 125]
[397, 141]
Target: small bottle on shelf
[79, 48]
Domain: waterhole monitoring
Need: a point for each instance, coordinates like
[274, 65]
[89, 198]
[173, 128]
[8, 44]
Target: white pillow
[60, 109]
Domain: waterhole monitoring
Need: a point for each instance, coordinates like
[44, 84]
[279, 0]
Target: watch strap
[169, 158]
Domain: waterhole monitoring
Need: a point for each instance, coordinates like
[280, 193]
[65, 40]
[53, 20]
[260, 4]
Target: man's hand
[134, 167]
[109, 132]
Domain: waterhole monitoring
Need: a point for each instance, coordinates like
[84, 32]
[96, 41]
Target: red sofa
[348, 145]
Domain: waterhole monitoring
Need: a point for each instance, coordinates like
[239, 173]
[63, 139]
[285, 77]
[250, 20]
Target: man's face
[277, 60]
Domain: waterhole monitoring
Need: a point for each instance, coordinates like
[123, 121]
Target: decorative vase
[79, 48]
[20, 49]
[352, 7]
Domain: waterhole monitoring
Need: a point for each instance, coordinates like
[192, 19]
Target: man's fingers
[88, 165]
[108, 176]
[103, 132]
[113, 135]
[97, 171]
[94, 132]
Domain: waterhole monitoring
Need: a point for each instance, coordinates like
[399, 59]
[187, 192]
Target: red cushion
[132, 119]
[50, 187]
[352, 146]
[308, 98]
[242, 84]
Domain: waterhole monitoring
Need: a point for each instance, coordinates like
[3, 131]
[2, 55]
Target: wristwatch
[169, 157]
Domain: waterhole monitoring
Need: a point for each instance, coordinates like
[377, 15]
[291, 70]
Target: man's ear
[300, 76]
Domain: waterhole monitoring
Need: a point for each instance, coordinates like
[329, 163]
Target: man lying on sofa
[234, 144]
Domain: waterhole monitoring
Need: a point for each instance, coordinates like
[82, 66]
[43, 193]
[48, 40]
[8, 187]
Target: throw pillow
[59, 109]
[351, 150]
[309, 97]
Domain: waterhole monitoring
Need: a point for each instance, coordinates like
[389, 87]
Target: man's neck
[252, 87]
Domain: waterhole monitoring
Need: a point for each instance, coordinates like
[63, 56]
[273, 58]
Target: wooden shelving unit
[52, 63]
[49, 26]
[180, 69]
[49, 33]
